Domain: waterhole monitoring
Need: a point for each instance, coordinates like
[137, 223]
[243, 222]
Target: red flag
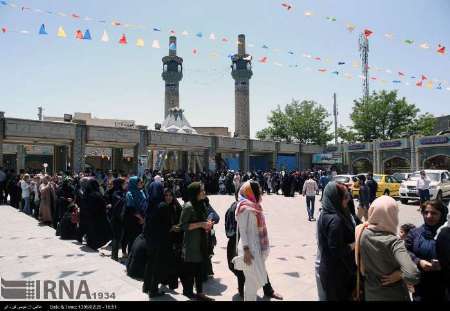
[401, 73]
[194, 51]
[419, 84]
[317, 58]
[123, 40]
[79, 34]
[441, 49]
[3, 29]
[287, 6]
[75, 16]
[263, 60]
[373, 78]
[424, 77]
[368, 33]
[322, 70]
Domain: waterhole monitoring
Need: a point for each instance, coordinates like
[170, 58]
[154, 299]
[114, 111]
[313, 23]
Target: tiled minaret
[242, 73]
[172, 75]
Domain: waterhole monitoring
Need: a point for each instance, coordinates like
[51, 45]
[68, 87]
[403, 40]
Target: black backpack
[230, 221]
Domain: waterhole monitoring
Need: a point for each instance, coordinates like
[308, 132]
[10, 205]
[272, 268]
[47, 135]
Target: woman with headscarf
[443, 253]
[45, 205]
[253, 246]
[194, 223]
[84, 214]
[64, 198]
[381, 255]
[164, 247]
[421, 245]
[99, 230]
[135, 210]
[336, 237]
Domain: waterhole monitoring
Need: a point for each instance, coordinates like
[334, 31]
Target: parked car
[387, 185]
[347, 180]
[401, 176]
[440, 186]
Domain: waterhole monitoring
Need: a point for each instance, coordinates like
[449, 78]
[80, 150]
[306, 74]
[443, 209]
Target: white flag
[105, 37]
[155, 44]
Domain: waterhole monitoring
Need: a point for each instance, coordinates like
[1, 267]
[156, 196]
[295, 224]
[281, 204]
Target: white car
[440, 186]
[348, 180]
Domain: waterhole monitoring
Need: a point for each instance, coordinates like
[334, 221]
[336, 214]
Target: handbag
[238, 261]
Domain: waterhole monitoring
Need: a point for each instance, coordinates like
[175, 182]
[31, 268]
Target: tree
[303, 122]
[383, 116]
[348, 135]
[423, 125]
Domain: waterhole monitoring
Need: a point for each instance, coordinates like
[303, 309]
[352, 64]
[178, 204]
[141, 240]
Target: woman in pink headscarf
[381, 255]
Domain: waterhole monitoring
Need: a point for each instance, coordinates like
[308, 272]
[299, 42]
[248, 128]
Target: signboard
[393, 144]
[357, 147]
[142, 165]
[434, 140]
[327, 158]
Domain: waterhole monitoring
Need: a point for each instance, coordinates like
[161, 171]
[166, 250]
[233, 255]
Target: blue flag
[87, 35]
[341, 63]
[265, 46]
[42, 30]
[199, 35]
[156, 29]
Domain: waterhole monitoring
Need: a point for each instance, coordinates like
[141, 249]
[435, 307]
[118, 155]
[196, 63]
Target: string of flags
[430, 84]
[140, 42]
[440, 49]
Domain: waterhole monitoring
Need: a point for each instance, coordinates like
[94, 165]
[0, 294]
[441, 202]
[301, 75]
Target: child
[404, 230]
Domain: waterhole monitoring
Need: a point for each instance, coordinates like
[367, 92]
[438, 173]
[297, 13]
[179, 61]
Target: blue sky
[124, 82]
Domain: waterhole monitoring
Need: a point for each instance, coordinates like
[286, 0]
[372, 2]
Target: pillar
[60, 158]
[2, 135]
[140, 150]
[244, 161]
[412, 144]
[117, 158]
[79, 146]
[21, 154]
[172, 75]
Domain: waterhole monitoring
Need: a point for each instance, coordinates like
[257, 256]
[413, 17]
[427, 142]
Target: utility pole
[40, 113]
[335, 113]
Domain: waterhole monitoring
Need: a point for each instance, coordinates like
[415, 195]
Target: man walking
[323, 181]
[423, 187]
[373, 188]
[309, 190]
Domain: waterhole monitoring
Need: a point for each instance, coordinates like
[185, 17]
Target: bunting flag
[287, 6]
[350, 27]
[224, 39]
[61, 32]
[408, 41]
[336, 73]
[389, 36]
[341, 63]
[263, 60]
[42, 30]
[323, 70]
[308, 13]
[4, 29]
[140, 42]
[424, 46]
[185, 33]
[331, 19]
[401, 73]
[156, 44]
[429, 85]
[79, 34]
[75, 15]
[396, 81]
[105, 37]
[87, 35]
[420, 83]
[441, 49]
[123, 40]
[367, 33]
[265, 46]
[424, 77]
[199, 34]
[212, 36]
[157, 29]
[194, 51]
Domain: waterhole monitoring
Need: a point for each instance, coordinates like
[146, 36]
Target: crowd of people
[362, 252]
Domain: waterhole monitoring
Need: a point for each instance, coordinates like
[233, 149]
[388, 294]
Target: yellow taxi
[387, 185]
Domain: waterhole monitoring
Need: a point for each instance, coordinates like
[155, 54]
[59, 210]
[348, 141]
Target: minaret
[172, 75]
[242, 73]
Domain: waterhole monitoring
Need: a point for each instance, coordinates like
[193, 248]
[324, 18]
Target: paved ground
[31, 252]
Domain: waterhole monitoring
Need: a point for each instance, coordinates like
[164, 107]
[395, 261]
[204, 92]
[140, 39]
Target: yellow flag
[140, 42]
[429, 85]
[61, 32]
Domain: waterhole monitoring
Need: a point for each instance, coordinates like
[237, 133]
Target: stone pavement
[32, 252]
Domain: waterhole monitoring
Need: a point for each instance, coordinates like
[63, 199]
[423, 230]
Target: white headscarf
[157, 178]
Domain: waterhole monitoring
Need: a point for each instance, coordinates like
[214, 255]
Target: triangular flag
[79, 34]
[172, 32]
[263, 60]
[419, 84]
[401, 73]
[367, 33]
[408, 41]
[61, 32]
[429, 85]
[322, 70]
[4, 29]
[199, 34]
[75, 15]
[389, 35]
[441, 49]
[123, 40]
[287, 6]
[42, 30]
[156, 29]
[396, 81]
[308, 13]
[265, 46]
[116, 23]
[194, 51]
[155, 44]
[424, 46]
[185, 33]
[350, 27]
[105, 37]
[341, 63]
[331, 19]
[87, 35]
[424, 77]
[224, 39]
[140, 42]
[212, 36]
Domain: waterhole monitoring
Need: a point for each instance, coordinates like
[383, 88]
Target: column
[117, 158]
[21, 154]
[274, 156]
[140, 150]
[60, 158]
[299, 157]
[2, 135]
[412, 145]
[244, 161]
[79, 146]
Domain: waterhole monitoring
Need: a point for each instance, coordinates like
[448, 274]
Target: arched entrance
[362, 165]
[397, 165]
[437, 162]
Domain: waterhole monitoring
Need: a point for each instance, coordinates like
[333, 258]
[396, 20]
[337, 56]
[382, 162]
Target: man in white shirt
[423, 187]
[26, 191]
[309, 190]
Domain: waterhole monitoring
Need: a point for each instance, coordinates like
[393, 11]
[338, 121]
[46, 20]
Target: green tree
[423, 125]
[383, 116]
[303, 122]
[348, 135]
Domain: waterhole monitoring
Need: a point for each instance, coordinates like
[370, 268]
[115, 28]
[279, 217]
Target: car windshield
[431, 176]
[342, 179]
[377, 178]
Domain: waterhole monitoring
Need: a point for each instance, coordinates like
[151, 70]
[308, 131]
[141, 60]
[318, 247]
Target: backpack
[230, 221]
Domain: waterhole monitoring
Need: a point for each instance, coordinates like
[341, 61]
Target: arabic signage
[393, 144]
[433, 140]
[327, 158]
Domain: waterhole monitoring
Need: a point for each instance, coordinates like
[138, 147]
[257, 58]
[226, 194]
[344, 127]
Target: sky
[65, 75]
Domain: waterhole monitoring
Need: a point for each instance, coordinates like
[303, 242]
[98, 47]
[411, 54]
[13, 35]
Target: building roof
[177, 123]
